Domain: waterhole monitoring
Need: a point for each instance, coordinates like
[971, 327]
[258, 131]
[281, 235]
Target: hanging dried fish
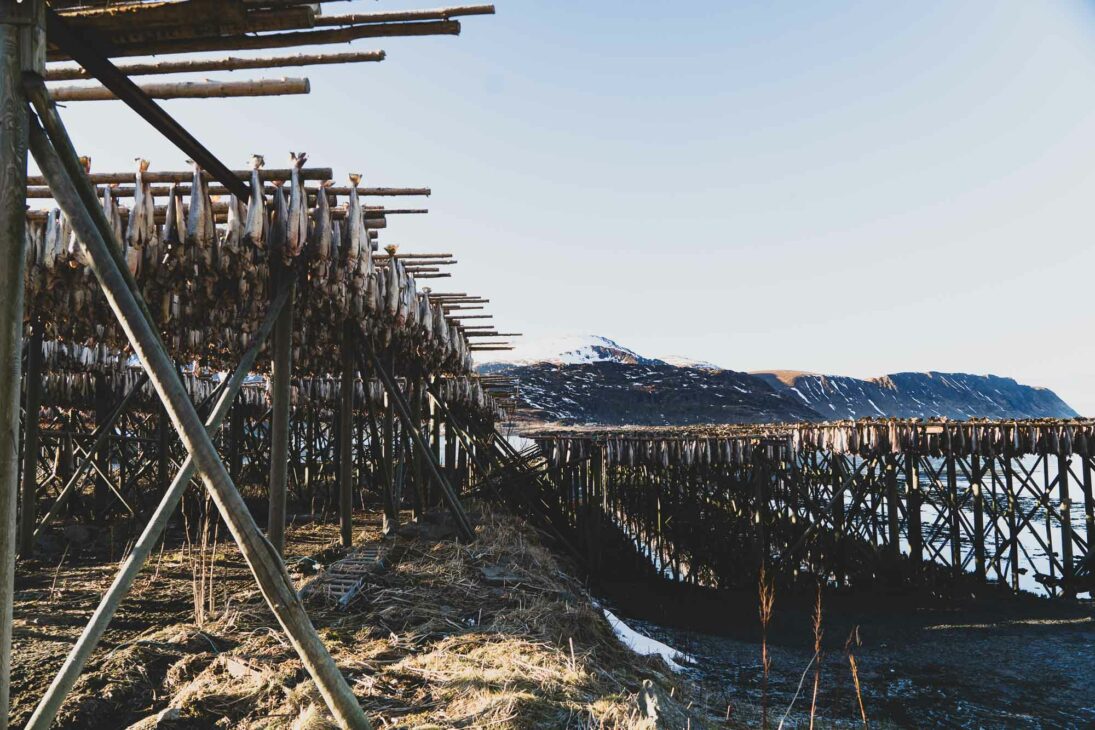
[200, 229]
[296, 226]
[255, 229]
[142, 220]
[277, 240]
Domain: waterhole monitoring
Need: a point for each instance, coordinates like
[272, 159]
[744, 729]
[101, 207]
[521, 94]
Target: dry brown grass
[429, 644]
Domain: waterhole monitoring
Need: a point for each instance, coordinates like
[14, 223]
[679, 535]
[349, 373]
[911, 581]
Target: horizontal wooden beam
[37, 182]
[244, 42]
[406, 15]
[230, 63]
[220, 211]
[189, 90]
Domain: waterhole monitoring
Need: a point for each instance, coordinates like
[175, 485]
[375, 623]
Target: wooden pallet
[345, 578]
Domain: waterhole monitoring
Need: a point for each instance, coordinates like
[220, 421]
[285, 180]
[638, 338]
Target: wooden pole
[418, 496]
[282, 40]
[1089, 510]
[274, 582]
[33, 379]
[1013, 529]
[977, 487]
[953, 517]
[230, 63]
[432, 493]
[163, 449]
[912, 508]
[837, 465]
[189, 90]
[391, 508]
[14, 21]
[404, 15]
[1066, 523]
[100, 458]
[280, 375]
[39, 188]
[893, 514]
[345, 438]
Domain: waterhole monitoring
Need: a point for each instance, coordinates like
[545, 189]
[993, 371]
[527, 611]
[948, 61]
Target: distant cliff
[595, 380]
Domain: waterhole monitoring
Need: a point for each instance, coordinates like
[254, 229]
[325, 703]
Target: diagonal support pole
[62, 684]
[271, 576]
[402, 408]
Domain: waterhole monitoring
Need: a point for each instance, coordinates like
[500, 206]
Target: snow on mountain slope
[685, 362]
[567, 350]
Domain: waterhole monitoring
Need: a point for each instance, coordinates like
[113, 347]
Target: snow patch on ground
[644, 645]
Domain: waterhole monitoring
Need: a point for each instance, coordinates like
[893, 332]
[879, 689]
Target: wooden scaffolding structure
[36, 40]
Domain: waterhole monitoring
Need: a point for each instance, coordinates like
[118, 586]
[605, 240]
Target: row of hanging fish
[208, 287]
[657, 452]
[81, 387]
[862, 438]
[981, 438]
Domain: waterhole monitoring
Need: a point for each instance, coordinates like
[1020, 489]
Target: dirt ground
[431, 642]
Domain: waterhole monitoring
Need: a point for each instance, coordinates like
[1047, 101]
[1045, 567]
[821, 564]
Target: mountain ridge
[595, 380]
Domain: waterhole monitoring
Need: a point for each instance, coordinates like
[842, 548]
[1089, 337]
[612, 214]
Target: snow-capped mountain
[564, 350]
[592, 379]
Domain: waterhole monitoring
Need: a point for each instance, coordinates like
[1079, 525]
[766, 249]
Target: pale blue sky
[845, 187]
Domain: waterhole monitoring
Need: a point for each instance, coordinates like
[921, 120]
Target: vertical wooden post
[33, 378]
[280, 374]
[235, 439]
[836, 464]
[163, 446]
[1013, 530]
[1066, 522]
[101, 457]
[16, 50]
[13, 185]
[977, 486]
[912, 507]
[596, 507]
[451, 443]
[67, 463]
[760, 499]
[461, 470]
[1089, 510]
[391, 509]
[311, 463]
[414, 396]
[953, 517]
[433, 494]
[345, 438]
[1049, 522]
[893, 513]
